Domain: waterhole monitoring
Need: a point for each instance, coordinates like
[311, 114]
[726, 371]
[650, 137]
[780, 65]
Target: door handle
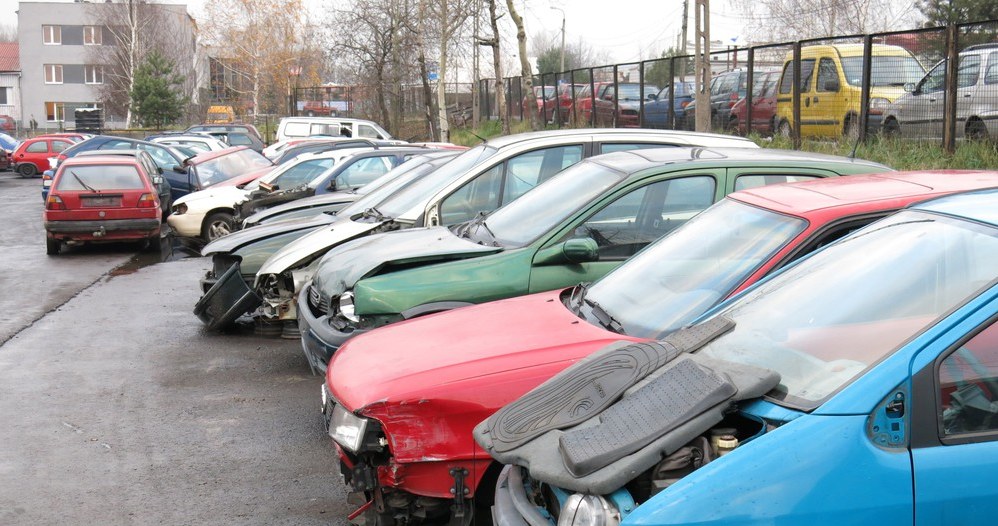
[816, 100]
[807, 102]
[932, 100]
[966, 95]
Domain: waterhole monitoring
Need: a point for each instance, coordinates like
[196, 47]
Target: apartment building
[60, 68]
[10, 80]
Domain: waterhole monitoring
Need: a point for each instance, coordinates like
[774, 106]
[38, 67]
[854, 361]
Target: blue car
[857, 386]
[657, 110]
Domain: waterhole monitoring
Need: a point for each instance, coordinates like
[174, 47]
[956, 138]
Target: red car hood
[483, 355]
[245, 178]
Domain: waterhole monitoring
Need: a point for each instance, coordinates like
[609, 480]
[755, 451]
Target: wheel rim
[218, 229]
[27, 169]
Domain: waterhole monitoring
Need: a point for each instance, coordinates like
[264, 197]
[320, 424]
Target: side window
[744, 182]
[58, 146]
[159, 156]
[991, 71]
[533, 168]
[302, 173]
[119, 145]
[37, 147]
[364, 171]
[364, 130]
[481, 194]
[626, 146]
[787, 80]
[629, 223]
[296, 129]
[806, 71]
[968, 385]
[966, 74]
[935, 80]
[827, 73]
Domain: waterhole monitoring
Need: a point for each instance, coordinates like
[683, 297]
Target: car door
[623, 223]
[503, 182]
[954, 447]
[362, 171]
[967, 79]
[821, 110]
[36, 153]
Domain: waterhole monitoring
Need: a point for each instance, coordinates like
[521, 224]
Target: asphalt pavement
[119, 408]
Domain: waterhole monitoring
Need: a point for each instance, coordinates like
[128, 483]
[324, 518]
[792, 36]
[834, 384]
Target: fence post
[749, 86]
[864, 96]
[616, 97]
[795, 134]
[592, 99]
[671, 121]
[949, 101]
[572, 118]
[641, 94]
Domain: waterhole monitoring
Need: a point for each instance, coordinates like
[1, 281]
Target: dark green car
[573, 228]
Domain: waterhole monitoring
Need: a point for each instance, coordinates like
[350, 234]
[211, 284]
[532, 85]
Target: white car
[199, 142]
[209, 214]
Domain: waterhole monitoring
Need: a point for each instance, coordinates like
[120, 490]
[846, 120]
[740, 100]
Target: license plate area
[100, 201]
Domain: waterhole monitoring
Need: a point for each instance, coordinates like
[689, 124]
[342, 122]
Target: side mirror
[180, 169]
[831, 85]
[575, 250]
[332, 185]
[653, 96]
[909, 87]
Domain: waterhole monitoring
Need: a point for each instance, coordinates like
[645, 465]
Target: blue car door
[954, 446]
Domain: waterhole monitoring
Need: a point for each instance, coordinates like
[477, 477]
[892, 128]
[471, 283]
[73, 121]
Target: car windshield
[397, 182]
[7, 142]
[230, 165]
[294, 175]
[428, 186]
[631, 91]
[884, 71]
[683, 274]
[825, 321]
[541, 209]
[95, 178]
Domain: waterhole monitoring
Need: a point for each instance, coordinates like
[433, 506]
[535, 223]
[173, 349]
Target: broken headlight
[587, 510]
[346, 307]
[347, 429]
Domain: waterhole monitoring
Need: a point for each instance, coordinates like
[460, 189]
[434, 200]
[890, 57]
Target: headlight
[346, 428]
[180, 208]
[346, 307]
[587, 510]
[879, 104]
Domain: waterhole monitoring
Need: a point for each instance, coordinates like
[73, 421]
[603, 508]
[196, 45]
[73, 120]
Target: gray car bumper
[228, 298]
[319, 339]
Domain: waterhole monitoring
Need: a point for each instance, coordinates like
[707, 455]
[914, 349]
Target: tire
[52, 246]
[892, 128]
[783, 130]
[216, 226]
[27, 170]
[851, 129]
[310, 113]
[976, 131]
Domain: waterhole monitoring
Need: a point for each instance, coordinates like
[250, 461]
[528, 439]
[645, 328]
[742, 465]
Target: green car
[573, 228]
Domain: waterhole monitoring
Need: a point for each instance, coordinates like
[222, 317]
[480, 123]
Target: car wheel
[310, 113]
[27, 170]
[52, 246]
[977, 131]
[851, 130]
[216, 226]
[892, 128]
[783, 130]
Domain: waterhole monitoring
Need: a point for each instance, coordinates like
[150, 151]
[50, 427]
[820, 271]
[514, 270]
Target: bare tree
[450, 18]
[8, 33]
[800, 19]
[526, 73]
[494, 42]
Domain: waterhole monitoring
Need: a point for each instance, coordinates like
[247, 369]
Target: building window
[5, 96]
[53, 73]
[93, 74]
[54, 111]
[52, 35]
[92, 36]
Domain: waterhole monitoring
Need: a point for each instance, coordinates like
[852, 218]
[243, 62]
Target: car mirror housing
[575, 250]
[909, 87]
[179, 169]
[831, 85]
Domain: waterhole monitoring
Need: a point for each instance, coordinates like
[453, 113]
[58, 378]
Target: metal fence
[935, 84]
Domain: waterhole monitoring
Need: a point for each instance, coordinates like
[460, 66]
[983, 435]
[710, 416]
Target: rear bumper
[104, 229]
[226, 299]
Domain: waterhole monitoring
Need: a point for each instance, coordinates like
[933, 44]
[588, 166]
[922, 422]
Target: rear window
[100, 177]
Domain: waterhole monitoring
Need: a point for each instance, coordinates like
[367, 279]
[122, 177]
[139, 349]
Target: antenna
[852, 154]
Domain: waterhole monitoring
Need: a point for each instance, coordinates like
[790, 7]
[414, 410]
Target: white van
[295, 127]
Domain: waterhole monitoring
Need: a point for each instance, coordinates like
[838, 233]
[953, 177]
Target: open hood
[314, 201]
[241, 238]
[342, 267]
[497, 350]
[316, 243]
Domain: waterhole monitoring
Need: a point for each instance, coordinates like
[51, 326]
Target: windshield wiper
[604, 317]
[479, 220]
[575, 298]
[82, 182]
[374, 213]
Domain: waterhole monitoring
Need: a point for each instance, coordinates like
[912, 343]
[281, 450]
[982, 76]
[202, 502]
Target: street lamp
[562, 37]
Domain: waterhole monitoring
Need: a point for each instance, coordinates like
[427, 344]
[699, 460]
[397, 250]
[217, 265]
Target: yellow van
[220, 115]
[830, 99]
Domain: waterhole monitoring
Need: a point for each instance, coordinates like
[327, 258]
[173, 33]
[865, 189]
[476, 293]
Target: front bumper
[187, 224]
[226, 299]
[512, 508]
[319, 339]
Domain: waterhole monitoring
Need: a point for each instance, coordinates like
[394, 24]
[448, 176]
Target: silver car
[919, 113]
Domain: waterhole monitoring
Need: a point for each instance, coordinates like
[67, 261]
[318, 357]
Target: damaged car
[463, 365]
[575, 227]
[237, 257]
[478, 180]
[858, 386]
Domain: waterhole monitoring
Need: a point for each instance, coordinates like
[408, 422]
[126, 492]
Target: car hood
[298, 204]
[241, 238]
[497, 350]
[227, 195]
[314, 244]
[342, 267]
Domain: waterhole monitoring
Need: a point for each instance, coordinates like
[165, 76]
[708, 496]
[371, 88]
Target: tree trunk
[427, 97]
[526, 73]
[132, 58]
[497, 64]
[442, 92]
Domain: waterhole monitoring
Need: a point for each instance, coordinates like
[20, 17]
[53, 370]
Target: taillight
[54, 202]
[685, 103]
[147, 201]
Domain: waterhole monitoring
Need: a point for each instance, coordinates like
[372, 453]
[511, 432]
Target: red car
[32, 156]
[763, 106]
[7, 123]
[98, 199]
[543, 100]
[583, 107]
[401, 401]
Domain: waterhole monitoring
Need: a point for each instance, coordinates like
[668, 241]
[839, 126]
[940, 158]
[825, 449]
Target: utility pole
[682, 44]
[702, 65]
[476, 108]
[562, 38]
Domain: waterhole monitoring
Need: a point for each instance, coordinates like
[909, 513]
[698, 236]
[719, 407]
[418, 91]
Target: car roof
[602, 134]
[852, 50]
[207, 156]
[635, 161]
[870, 191]
[976, 206]
[96, 153]
[99, 159]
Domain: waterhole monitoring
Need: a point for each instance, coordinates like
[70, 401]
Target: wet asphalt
[117, 407]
